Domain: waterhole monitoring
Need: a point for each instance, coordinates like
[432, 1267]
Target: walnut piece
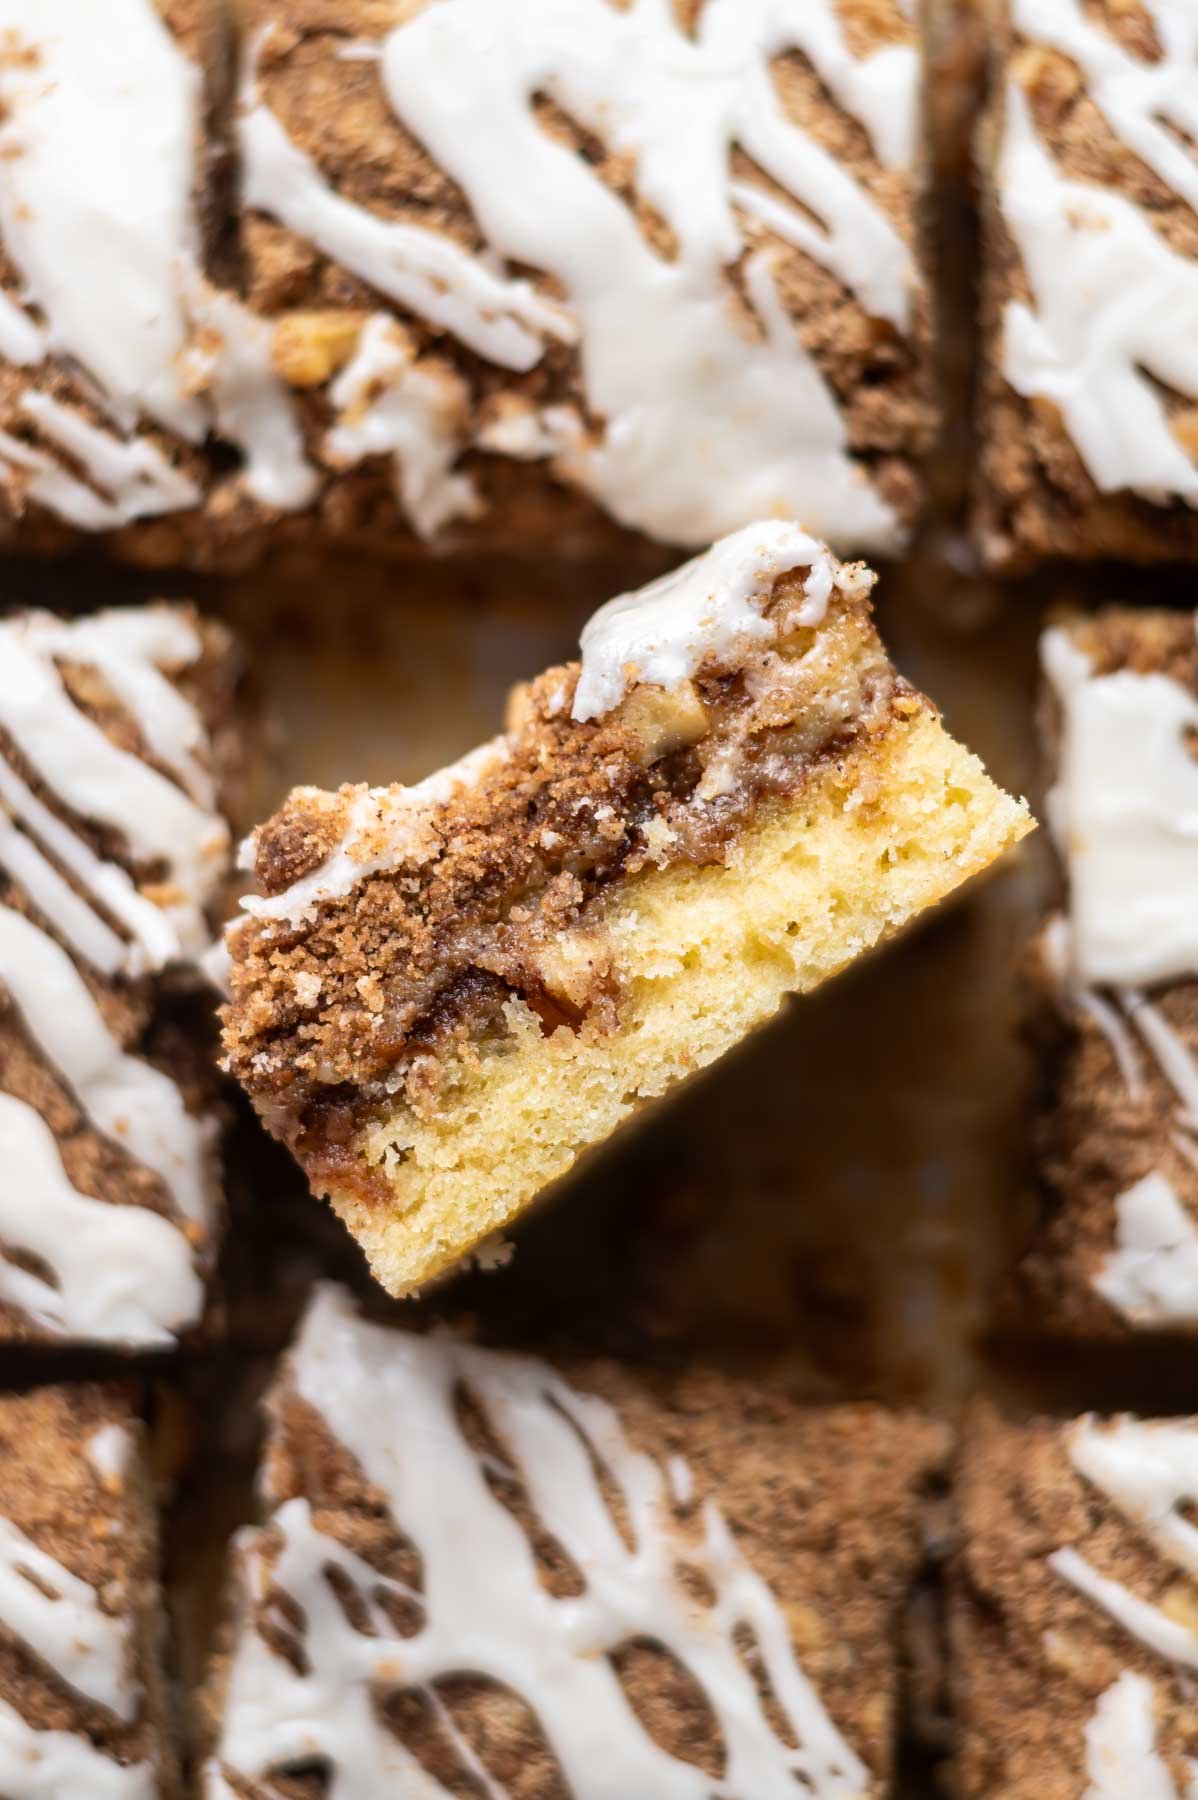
[664, 719]
[309, 347]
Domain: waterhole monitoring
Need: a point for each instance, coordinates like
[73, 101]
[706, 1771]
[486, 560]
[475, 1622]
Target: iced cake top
[100, 148]
[693, 404]
[644, 1555]
[715, 615]
[1109, 327]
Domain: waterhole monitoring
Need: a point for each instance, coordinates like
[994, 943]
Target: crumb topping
[497, 894]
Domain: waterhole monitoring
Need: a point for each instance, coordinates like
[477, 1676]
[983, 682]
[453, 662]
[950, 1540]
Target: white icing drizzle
[387, 828]
[1122, 1760]
[1173, 1058]
[502, 320]
[1125, 817]
[133, 648]
[109, 1450]
[131, 1102]
[1151, 1276]
[1124, 814]
[1111, 1022]
[137, 480]
[161, 822]
[389, 406]
[682, 1480]
[50, 1765]
[98, 142]
[21, 340]
[1113, 303]
[54, 897]
[121, 1274]
[1056, 945]
[58, 1615]
[1149, 1471]
[697, 412]
[1140, 99]
[1155, 1629]
[249, 402]
[710, 608]
[528, 433]
[484, 1607]
[101, 121]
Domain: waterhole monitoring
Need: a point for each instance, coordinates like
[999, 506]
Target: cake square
[1116, 1249]
[482, 1571]
[689, 330]
[83, 1703]
[1090, 411]
[579, 311]
[116, 733]
[121, 359]
[1074, 1609]
[445, 995]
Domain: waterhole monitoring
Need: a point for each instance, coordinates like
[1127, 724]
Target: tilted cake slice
[482, 1572]
[84, 1710]
[1116, 1248]
[446, 994]
[114, 850]
[1074, 1609]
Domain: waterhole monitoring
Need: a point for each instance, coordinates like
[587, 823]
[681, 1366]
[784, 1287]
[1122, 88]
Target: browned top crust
[101, 1528]
[1142, 641]
[826, 1505]
[149, 1016]
[335, 110]
[201, 31]
[1036, 498]
[210, 684]
[1094, 1137]
[1030, 1655]
[346, 1006]
[1094, 1142]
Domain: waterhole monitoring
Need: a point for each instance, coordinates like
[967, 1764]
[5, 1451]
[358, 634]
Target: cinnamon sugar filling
[346, 1011]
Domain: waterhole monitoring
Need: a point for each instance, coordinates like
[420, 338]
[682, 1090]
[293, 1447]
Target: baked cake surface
[113, 847]
[113, 386]
[1090, 416]
[1117, 1248]
[686, 330]
[483, 1573]
[1075, 1611]
[83, 1713]
[446, 994]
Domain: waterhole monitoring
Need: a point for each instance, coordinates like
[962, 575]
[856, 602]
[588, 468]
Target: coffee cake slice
[1116, 1249]
[446, 994]
[114, 732]
[482, 1572]
[1089, 164]
[121, 359]
[577, 312]
[1075, 1610]
[83, 1702]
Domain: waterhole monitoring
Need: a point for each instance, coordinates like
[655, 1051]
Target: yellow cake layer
[703, 956]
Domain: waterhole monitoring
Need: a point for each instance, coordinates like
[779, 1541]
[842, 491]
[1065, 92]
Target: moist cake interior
[449, 993]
